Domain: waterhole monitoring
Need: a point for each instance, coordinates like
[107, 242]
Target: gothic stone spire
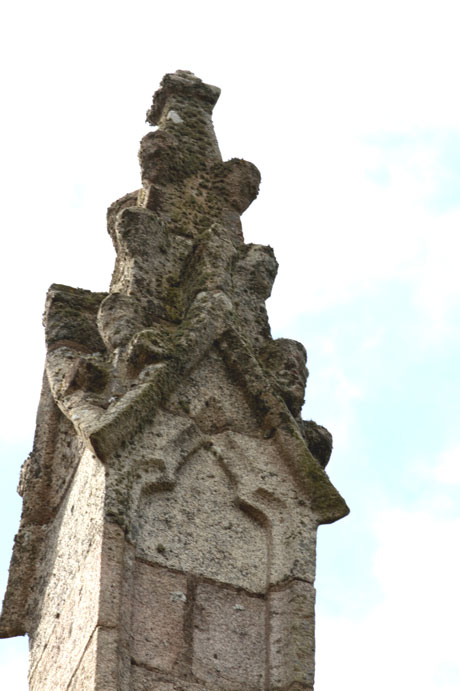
[171, 500]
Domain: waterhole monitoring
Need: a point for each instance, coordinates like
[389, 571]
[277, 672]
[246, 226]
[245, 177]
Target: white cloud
[447, 470]
[352, 235]
[14, 664]
[341, 394]
[437, 288]
[441, 472]
[409, 638]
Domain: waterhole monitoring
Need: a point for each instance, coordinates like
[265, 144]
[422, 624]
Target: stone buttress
[171, 501]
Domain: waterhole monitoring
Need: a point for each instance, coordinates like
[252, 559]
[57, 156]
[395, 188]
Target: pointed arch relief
[201, 527]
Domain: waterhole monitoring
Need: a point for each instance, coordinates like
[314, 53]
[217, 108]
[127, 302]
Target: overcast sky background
[351, 111]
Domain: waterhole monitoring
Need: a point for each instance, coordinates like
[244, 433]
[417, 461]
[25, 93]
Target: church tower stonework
[172, 497]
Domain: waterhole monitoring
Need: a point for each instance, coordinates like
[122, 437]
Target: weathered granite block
[158, 617]
[145, 680]
[229, 642]
[292, 634]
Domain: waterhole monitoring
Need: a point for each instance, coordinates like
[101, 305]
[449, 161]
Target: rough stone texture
[319, 441]
[172, 497]
[64, 603]
[211, 536]
[292, 635]
[145, 680]
[158, 641]
[229, 646]
[98, 668]
[85, 675]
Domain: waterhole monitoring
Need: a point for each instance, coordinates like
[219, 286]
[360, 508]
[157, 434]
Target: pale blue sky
[351, 112]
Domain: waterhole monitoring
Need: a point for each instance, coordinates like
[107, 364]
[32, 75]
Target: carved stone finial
[183, 93]
[184, 178]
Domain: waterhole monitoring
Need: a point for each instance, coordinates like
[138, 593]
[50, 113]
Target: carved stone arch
[202, 527]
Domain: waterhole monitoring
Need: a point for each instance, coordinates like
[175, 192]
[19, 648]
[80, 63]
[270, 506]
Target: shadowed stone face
[173, 494]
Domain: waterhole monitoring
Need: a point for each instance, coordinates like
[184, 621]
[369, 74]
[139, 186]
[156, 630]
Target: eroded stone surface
[292, 639]
[158, 609]
[143, 679]
[210, 535]
[64, 603]
[229, 642]
[173, 494]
